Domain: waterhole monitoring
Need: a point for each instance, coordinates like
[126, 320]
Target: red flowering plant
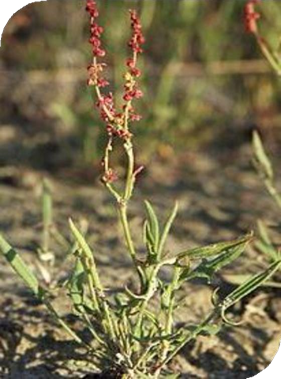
[251, 22]
[133, 332]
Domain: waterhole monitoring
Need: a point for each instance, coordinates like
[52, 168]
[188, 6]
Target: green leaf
[148, 239]
[20, 268]
[166, 229]
[153, 224]
[239, 279]
[208, 267]
[76, 286]
[261, 157]
[214, 249]
[248, 287]
[81, 240]
[86, 250]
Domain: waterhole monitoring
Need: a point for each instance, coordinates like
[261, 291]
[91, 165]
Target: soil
[220, 197]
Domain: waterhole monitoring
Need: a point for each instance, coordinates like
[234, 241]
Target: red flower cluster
[95, 78]
[131, 86]
[91, 8]
[95, 69]
[115, 121]
[132, 91]
[118, 132]
[107, 107]
[137, 38]
[134, 71]
[96, 30]
[251, 16]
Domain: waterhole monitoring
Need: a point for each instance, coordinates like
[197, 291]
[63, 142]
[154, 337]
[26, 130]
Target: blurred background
[206, 84]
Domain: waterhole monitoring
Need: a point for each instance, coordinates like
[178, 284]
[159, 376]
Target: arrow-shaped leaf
[208, 267]
[214, 249]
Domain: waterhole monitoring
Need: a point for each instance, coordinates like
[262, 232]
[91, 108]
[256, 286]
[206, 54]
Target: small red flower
[138, 93]
[96, 29]
[135, 117]
[130, 63]
[110, 176]
[135, 72]
[101, 82]
[128, 96]
[251, 17]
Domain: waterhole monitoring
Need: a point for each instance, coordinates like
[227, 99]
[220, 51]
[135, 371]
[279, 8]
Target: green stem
[169, 317]
[275, 64]
[91, 284]
[97, 295]
[126, 230]
[152, 286]
[90, 267]
[130, 170]
[174, 285]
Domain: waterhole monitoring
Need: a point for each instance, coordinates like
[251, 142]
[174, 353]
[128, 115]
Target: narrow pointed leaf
[76, 285]
[149, 240]
[245, 289]
[153, 224]
[81, 240]
[239, 279]
[250, 285]
[20, 267]
[214, 249]
[85, 248]
[166, 229]
[261, 157]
